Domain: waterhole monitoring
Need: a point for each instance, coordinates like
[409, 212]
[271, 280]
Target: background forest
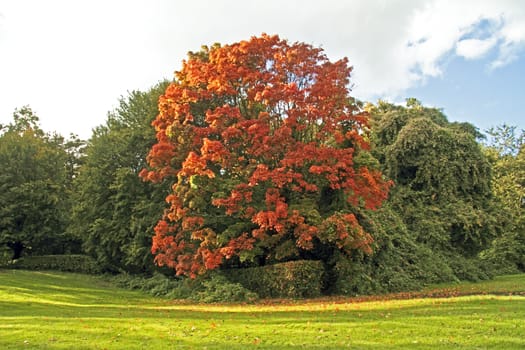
[454, 208]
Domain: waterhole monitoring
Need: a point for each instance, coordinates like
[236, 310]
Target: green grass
[69, 311]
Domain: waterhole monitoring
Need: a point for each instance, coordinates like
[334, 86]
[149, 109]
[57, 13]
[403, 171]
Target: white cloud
[461, 25]
[513, 37]
[474, 48]
[72, 60]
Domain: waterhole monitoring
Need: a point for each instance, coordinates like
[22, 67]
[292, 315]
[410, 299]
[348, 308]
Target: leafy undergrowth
[51, 310]
[501, 285]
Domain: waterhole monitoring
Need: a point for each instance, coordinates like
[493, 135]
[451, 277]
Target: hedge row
[67, 263]
[294, 279]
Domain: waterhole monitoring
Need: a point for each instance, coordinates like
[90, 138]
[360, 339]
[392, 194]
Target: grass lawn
[52, 310]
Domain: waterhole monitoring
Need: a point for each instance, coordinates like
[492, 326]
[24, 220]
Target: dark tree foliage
[115, 210]
[441, 212]
[35, 181]
[443, 177]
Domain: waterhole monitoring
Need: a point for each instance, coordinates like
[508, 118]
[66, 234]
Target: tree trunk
[17, 248]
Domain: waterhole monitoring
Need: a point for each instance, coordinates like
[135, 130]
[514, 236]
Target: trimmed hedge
[294, 279]
[67, 263]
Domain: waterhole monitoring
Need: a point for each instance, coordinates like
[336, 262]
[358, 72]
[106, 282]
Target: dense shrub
[294, 279]
[67, 263]
[208, 288]
[348, 277]
[5, 256]
[389, 271]
[218, 288]
[157, 285]
[470, 269]
[409, 267]
[506, 255]
[398, 262]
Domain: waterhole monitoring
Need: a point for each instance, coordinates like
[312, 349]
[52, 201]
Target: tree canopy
[506, 149]
[442, 176]
[115, 211]
[33, 186]
[269, 156]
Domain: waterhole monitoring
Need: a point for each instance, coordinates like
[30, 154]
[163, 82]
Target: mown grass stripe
[63, 311]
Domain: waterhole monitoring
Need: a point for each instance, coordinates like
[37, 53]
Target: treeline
[455, 208]
[455, 212]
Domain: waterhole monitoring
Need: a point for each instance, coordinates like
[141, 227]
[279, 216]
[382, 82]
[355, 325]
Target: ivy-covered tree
[34, 203]
[115, 211]
[443, 178]
[269, 156]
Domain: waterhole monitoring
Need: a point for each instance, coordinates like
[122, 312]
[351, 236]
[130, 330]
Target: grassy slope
[64, 311]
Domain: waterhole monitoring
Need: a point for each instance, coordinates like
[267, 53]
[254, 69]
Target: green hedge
[294, 279]
[68, 263]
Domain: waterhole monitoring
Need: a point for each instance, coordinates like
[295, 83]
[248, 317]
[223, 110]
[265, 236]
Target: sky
[71, 61]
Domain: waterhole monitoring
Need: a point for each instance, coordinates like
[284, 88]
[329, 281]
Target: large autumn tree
[269, 155]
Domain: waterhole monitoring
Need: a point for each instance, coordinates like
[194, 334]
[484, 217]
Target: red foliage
[262, 118]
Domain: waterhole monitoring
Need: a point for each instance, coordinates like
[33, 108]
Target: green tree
[33, 187]
[506, 149]
[443, 178]
[115, 211]
[443, 189]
